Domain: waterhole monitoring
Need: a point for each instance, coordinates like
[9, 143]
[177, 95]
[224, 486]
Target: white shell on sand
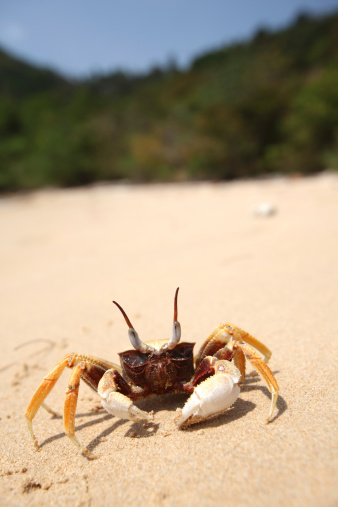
[265, 209]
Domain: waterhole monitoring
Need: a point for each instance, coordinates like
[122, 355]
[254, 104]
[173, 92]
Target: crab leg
[241, 335]
[70, 403]
[44, 389]
[212, 396]
[89, 368]
[265, 372]
[48, 409]
[215, 341]
[114, 392]
[239, 361]
[222, 335]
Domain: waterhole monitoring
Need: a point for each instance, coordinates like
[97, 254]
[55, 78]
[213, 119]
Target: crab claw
[212, 396]
[121, 406]
[118, 403]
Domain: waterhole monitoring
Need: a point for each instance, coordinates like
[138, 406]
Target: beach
[65, 255]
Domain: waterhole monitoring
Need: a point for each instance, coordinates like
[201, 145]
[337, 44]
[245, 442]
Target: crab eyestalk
[176, 333]
[133, 336]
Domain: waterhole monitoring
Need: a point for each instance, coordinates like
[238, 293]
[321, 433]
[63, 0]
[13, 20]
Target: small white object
[265, 209]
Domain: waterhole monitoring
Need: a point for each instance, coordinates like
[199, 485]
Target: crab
[157, 367]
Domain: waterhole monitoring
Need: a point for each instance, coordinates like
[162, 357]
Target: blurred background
[166, 91]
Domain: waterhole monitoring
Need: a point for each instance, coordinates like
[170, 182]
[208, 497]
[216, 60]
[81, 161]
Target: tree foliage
[262, 106]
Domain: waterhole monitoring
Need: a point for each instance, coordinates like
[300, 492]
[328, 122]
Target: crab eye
[176, 332]
[133, 336]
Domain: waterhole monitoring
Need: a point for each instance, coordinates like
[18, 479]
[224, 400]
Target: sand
[66, 254]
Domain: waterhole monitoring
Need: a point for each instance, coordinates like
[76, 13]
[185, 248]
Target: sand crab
[158, 367]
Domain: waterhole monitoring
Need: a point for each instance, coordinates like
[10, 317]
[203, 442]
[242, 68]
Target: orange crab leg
[241, 335]
[70, 403]
[89, 368]
[222, 335]
[265, 372]
[211, 345]
[239, 361]
[44, 389]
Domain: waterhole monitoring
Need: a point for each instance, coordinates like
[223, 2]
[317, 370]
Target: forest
[265, 106]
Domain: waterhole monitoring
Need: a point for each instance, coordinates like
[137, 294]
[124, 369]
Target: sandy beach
[66, 254]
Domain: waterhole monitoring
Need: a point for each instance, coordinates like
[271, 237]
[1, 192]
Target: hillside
[263, 106]
[19, 79]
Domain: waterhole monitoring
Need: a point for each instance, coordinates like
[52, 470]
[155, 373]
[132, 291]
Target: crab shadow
[142, 429]
[81, 426]
[136, 430]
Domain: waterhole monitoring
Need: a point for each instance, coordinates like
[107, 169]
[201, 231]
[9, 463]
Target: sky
[79, 38]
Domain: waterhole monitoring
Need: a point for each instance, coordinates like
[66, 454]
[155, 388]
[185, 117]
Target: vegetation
[264, 106]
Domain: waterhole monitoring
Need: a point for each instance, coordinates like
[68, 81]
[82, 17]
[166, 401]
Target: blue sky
[81, 37]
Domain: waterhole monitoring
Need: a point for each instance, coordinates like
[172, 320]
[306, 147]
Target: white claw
[121, 406]
[213, 396]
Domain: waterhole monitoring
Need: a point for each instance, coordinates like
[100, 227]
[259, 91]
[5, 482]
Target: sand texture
[65, 255]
